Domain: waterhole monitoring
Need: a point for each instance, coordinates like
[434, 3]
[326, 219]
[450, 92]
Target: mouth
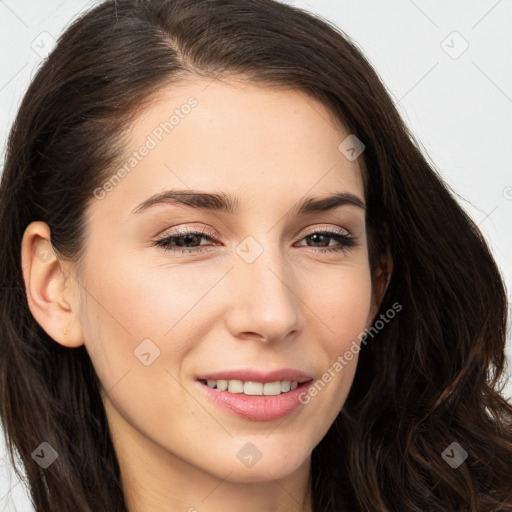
[254, 388]
[253, 400]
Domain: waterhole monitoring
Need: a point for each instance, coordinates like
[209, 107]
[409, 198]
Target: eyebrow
[221, 202]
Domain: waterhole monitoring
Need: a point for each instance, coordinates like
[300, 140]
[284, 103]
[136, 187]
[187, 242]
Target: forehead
[263, 144]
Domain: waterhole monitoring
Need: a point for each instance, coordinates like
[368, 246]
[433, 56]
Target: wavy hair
[432, 377]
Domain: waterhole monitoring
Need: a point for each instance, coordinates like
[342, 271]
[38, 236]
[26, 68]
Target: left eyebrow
[222, 202]
[331, 202]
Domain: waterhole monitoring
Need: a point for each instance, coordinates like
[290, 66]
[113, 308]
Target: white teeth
[253, 388]
[235, 386]
[272, 388]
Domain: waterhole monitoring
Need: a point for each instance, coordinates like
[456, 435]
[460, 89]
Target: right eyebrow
[329, 203]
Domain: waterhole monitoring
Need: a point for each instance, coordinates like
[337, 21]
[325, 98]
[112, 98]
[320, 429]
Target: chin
[253, 465]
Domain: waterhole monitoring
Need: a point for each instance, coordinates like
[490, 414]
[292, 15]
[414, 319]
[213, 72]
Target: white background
[457, 103]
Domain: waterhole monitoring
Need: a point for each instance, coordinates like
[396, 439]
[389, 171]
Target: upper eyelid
[328, 229]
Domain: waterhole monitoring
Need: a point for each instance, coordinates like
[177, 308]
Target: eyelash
[347, 241]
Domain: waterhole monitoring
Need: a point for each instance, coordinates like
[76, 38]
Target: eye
[344, 239]
[189, 241]
[180, 240]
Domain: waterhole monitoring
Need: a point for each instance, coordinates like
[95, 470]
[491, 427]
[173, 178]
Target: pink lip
[256, 408]
[250, 374]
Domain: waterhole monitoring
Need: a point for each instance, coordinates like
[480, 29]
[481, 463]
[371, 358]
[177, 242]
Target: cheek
[342, 305]
[133, 301]
[122, 312]
[136, 365]
[341, 301]
[139, 313]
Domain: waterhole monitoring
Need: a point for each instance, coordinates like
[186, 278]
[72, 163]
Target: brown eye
[323, 238]
[184, 241]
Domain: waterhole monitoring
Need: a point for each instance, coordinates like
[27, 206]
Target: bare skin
[296, 305]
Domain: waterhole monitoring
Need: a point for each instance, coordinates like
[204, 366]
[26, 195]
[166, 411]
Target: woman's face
[254, 289]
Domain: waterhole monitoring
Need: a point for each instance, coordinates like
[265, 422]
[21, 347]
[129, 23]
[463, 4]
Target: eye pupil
[312, 237]
[187, 239]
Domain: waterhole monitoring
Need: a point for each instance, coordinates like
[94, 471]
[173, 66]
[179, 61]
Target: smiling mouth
[253, 388]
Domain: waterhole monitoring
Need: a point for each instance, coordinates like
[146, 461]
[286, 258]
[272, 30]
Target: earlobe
[49, 288]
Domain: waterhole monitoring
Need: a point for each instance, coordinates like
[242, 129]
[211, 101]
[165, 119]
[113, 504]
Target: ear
[380, 282]
[52, 293]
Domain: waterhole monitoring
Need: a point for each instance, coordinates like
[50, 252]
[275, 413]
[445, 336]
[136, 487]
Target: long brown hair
[430, 378]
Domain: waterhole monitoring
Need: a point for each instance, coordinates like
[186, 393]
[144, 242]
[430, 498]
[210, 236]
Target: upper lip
[253, 375]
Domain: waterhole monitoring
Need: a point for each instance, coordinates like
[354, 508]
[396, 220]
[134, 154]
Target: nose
[265, 295]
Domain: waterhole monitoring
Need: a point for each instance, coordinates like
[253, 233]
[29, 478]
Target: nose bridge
[265, 289]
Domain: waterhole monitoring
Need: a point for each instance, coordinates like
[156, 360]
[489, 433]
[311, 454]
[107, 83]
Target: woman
[268, 368]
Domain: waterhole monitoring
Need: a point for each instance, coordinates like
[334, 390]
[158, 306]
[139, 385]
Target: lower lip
[255, 407]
